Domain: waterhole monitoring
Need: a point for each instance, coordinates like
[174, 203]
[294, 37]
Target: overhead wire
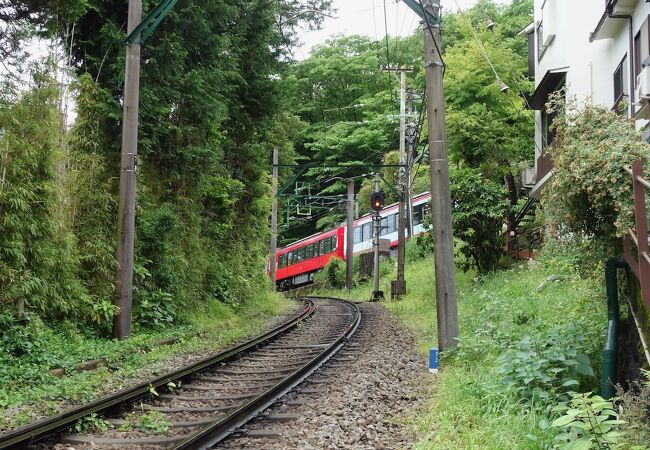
[390, 84]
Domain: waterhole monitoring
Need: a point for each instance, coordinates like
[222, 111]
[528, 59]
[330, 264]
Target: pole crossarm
[432, 11]
[293, 179]
[150, 23]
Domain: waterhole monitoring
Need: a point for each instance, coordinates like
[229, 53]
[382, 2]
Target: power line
[390, 85]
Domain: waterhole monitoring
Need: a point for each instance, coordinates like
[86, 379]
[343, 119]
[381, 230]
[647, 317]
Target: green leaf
[562, 421]
[581, 444]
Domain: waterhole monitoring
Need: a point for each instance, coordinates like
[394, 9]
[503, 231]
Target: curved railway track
[216, 396]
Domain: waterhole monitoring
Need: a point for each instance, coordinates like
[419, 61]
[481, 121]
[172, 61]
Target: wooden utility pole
[349, 250]
[274, 222]
[440, 190]
[399, 286]
[126, 220]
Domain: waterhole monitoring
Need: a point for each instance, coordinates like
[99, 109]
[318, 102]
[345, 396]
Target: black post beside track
[30, 433]
[223, 428]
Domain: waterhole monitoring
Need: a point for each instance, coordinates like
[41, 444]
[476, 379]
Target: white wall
[590, 66]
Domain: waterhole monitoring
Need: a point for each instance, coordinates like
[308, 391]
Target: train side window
[333, 239]
[321, 246]
[284, 260]
[328, 245]
[290, 259]
[417, 215]
[303, 250]
[394, 223]
[316, 249]
[366, 232]
[384, 226]
[357, 234]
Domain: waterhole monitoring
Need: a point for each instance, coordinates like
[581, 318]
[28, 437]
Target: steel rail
[223, 428]
[41, 429]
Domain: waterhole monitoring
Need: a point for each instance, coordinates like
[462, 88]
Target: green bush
[545, 367]
[590, 193]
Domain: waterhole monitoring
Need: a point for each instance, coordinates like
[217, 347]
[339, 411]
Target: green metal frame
[433, 16]
[150, 22]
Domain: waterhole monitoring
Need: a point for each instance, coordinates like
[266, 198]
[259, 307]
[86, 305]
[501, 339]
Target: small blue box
[433, 360]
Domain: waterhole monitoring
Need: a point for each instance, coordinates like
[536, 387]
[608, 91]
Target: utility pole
[399, 286]
[126, 221]
[440, 190]
[350, 235]
[376, 222]
[411, 136]
[274, 223]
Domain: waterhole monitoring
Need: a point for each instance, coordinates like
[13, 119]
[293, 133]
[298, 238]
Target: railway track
[202, 404]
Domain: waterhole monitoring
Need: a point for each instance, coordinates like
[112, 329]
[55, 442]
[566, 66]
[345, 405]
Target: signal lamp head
[377, 200]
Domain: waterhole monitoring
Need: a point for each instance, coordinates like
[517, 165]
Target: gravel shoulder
[364, 398]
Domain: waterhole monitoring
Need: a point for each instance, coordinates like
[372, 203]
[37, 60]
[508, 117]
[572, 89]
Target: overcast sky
[367, 17]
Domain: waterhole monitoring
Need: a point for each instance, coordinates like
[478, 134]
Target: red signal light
[377, 201]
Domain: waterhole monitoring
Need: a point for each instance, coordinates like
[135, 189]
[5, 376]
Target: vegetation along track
[209, 400]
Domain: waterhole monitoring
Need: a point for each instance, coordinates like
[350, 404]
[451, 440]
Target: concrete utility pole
[376, 222]
[399, 286]
[349, 250]
[126, 223]
[440, 191]
[411, 136]
[274, 222]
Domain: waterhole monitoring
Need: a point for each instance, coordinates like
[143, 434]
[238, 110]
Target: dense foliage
[350, 109]
[590, 193]
[209, 117]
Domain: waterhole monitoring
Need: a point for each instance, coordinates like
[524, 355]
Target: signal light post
[376, 203]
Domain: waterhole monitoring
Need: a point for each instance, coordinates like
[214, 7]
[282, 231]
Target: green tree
[479, 207]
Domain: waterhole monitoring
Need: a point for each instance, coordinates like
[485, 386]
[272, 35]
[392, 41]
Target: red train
[297, 263]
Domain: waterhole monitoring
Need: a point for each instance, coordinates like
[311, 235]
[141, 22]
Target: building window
[541, 48]
[531, 55]
[548, 130]
[621, 97]
[637, 55]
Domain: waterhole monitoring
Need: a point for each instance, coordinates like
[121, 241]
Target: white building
[598, 50]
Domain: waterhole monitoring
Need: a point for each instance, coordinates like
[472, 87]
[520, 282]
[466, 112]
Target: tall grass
[468, 405]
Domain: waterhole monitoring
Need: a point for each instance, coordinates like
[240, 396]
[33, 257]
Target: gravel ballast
[361, 399]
